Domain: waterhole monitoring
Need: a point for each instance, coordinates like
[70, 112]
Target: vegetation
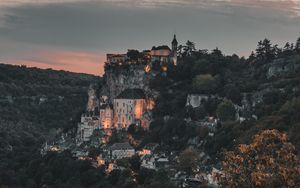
[269, 161]
[226, 111]
[36, 104]
[188, 160]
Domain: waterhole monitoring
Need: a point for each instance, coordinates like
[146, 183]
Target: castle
[126, 97]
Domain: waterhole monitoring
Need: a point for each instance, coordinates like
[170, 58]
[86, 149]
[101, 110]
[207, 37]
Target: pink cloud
[81, 62]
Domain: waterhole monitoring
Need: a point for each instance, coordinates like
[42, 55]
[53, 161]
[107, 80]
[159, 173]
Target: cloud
[82, 31]
[294, 5]
[81, 62]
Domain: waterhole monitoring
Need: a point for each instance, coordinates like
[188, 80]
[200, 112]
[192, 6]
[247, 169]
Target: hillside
[207, 104]
[35, 104]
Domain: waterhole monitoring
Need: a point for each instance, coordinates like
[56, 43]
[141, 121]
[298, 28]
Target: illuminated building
[86, 127]
[159, 54]
[129, 107]
[121, 150]
[106, 116]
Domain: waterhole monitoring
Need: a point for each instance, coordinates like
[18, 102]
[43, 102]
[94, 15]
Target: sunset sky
[75, 35]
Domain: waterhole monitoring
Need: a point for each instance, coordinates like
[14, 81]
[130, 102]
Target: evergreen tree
[189, 48]
[297, 46]
[265, 52]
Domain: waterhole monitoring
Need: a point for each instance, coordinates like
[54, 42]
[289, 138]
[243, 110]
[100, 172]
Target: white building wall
[106, 118]
[127, 111]
[119, 154]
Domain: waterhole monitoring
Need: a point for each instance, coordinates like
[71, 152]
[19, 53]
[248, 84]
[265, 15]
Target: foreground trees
[269, 161]
[226, 111]
[188, 161]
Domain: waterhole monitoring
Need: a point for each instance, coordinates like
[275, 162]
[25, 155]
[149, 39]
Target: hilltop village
[124, 102]
[174, 112]
[126, 98]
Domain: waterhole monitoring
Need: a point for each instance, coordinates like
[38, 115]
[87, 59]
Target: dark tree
[133, 54]
[189, 48]
[265, 52]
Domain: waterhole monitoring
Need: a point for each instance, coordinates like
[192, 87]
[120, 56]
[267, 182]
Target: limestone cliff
[93, 101]
[118, 79]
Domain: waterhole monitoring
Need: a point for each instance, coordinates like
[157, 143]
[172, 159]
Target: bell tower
[174, 44]
[174, 49]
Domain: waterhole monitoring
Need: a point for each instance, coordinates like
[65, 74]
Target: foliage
[205, 83]
[269, 161]
[233, 93]
[36, 104]
[226, 111]
[188, 161]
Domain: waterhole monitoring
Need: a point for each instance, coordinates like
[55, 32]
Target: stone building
[129, 108]
[106, 116]
[121, 150]
[87, 126]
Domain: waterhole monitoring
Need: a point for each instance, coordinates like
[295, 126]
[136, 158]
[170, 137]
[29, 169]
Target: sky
[75, 35]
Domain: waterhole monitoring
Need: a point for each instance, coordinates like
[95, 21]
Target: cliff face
[119, 79]
[93, 101]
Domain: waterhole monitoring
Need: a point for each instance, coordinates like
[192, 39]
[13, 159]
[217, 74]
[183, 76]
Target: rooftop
[164, 47]
[121, 146]
[132, 94]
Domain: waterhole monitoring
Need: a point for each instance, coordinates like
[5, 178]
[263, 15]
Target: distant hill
[23, 81]
[34, 105]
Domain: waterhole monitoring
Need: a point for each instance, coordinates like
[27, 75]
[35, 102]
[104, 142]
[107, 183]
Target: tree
[226, 111]
[131, 129]
[288, 49]
[202, 66]
[188, 160]
[189, 48]
[133, 54]
[251, 57]
[205, 83]
[297, 46]
[269, 161]
[160, 180]
[265, 52]
[233, 93]
[135, 162]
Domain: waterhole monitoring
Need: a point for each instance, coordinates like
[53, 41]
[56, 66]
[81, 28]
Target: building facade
[87, 126]
[129, 108]
[106, 114]
[121, 150]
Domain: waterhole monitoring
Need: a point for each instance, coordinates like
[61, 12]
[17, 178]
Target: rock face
[196, 100]
[93, 101]
[131, 77]
[282, 67]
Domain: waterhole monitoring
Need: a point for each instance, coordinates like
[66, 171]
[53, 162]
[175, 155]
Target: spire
[174, 42]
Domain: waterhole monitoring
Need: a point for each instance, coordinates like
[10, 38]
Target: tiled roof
[164, 47]
[132, 94]
[121, 146]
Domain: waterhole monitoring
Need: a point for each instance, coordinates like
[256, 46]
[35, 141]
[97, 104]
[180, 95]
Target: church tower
[174, 50]
[174, 44]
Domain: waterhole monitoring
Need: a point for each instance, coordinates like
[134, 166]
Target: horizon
[75, 35]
